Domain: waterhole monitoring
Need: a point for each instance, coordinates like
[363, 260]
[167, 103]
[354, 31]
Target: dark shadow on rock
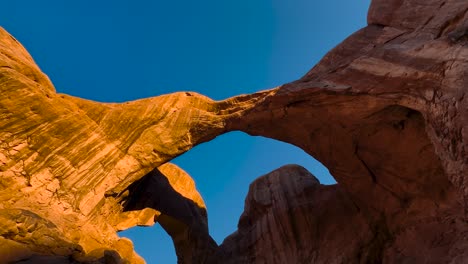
[183, 219]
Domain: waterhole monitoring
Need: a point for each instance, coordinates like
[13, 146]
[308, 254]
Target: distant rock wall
[386, 111]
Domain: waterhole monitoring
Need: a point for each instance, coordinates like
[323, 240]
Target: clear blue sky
[116, 51]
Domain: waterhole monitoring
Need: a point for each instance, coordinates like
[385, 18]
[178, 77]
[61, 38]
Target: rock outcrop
[284, 210]
[386, 111]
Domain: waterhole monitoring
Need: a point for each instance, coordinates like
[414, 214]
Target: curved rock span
[386, 111]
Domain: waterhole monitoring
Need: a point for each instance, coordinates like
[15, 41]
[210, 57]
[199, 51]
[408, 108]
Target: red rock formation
[386, 111]
[290, 218]
[171, 191]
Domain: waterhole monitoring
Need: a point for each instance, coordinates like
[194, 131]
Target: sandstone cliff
[386, 111]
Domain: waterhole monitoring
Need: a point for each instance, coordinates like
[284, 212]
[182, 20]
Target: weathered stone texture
[386, 111]
[284, 210]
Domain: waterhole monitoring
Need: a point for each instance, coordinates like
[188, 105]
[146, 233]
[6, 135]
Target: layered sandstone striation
[75, 164]
[386, 111]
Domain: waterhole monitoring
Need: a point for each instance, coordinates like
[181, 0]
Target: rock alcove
[386, 111]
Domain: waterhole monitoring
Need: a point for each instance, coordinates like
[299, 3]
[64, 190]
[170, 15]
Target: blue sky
[115, 51]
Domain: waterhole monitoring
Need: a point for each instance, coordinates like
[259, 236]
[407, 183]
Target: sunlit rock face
[76, 166]
[386, 111]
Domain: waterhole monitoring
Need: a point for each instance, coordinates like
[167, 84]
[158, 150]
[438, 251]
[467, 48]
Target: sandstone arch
[386, 111]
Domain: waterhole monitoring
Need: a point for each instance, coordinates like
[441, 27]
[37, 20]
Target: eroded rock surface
[386, 111]
[284, 210]
[71, 161]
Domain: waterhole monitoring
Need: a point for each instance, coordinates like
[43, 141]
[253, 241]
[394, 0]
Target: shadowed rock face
[290, 218]
[386, 111]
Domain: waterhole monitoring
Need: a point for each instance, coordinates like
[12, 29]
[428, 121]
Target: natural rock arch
[388, 107]
[224, 150]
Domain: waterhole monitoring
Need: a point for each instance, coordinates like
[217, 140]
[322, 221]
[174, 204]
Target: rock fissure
[456, 34]
[371, 174]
